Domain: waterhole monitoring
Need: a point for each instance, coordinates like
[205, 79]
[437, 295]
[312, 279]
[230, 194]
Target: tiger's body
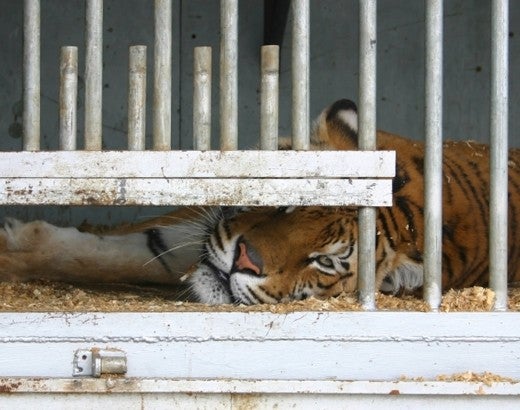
[265, 255]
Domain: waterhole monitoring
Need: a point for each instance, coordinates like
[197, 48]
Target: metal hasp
[95, 362]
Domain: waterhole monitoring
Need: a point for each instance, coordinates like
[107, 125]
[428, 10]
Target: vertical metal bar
[367, 141]
[137, 98]
[202, 98]
[269, 98]
[68, 97]
[433, 155]
[499, 152]
[162, 86]
[93, 74]
[31, 75]
[300, 74]
[228, 74]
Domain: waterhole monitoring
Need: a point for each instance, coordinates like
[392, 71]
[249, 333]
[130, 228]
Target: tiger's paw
[23, 236]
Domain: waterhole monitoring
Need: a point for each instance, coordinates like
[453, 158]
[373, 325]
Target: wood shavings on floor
[48, 296]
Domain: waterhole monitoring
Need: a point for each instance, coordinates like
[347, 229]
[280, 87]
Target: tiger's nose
[247, 258]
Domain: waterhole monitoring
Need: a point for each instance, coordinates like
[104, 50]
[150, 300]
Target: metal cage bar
[31, 75]
[498, 202]
[68, 97]
[137, 98]
[202, 98]
[433, 155]
[162, 86]
[269, 98]
[300, 74]
[367, 141]
[228, 75]
[94, 75]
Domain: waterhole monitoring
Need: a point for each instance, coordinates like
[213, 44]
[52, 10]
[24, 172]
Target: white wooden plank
[323, 387]
[198, 164]
[76, 399]
[265, 346]
[164, 191]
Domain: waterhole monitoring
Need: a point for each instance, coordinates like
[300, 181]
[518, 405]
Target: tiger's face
[269, 255]
[266, 255]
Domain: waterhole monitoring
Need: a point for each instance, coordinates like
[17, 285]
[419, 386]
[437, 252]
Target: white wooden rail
[240, 178]
[266, 346]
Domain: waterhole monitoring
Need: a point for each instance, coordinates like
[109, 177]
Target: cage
[252, 358]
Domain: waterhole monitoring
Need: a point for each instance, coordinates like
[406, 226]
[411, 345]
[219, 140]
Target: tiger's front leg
[149, 253]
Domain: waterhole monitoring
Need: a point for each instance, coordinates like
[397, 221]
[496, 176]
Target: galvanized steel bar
[202, 98]
[433, 155]
[162, 86]
[269, 98]
[94, 75]
[367, 141]
[31, 75]
[228, 74]
[137, 98]
[68, 97]
[499, 152]
[300, 74]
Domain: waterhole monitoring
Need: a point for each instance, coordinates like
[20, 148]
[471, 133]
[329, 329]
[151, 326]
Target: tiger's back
[465, 227]
[466, 181]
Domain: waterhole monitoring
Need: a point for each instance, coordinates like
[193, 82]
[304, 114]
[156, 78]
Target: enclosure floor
[48, 296]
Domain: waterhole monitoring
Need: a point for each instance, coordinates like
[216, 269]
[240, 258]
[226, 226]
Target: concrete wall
[334, 71]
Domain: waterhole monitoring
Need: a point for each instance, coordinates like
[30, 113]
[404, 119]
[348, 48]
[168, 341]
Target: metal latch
[95, 362]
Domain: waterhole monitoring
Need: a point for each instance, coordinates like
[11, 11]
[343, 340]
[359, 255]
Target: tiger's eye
[325, 261]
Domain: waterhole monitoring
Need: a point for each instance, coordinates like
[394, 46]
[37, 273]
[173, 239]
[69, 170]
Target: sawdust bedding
[487, 378]
[47, 296]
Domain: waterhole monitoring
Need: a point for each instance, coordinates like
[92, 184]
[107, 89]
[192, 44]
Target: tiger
[267, 255]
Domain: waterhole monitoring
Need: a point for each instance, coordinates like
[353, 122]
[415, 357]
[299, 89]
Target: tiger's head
[270, 255]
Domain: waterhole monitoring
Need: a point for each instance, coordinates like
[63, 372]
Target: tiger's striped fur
[285, 245]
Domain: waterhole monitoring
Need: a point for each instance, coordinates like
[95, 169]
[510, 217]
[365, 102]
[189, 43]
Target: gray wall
[334, 71]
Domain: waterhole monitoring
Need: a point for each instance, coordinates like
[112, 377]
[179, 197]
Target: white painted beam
[198, 164]
[195, 191]
[265, 346]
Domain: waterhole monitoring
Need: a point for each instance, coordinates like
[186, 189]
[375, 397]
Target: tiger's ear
[337, 126]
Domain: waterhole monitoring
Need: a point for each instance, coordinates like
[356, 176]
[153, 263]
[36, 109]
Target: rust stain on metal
[88, 197]
[9, 387]
[394, 392]
[246, 401]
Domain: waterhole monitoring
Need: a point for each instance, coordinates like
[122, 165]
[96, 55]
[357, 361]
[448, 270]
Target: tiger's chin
[211, 286]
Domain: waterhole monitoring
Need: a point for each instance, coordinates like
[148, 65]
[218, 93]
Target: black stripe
[217, 237]
[245, 297]
[470, 191]
[403, 203]
[483, 204]
[386, 229]
[156, 244]
[514, 241]
[325, 287]
[456, 177]
[448, 268]
[268, 293]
